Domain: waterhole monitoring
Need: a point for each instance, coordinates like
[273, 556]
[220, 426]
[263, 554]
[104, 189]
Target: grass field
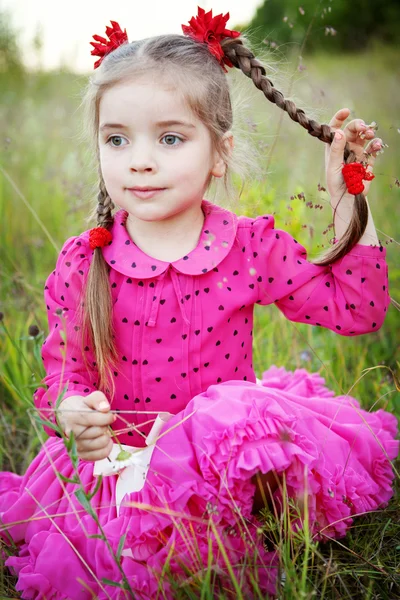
[46, 192]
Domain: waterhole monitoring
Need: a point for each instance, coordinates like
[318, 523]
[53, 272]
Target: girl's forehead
[146, 96]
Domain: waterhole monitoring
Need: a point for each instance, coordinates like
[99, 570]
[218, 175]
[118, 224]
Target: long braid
[243, 59]
[104, 206]
[97, 315]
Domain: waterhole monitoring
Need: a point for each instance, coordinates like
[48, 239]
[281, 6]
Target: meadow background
[46, 193]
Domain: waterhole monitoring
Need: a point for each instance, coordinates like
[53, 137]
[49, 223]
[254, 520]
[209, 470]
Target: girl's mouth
[143, 194]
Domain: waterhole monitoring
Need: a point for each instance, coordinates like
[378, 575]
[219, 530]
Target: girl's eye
[118, 137]
[171, 135]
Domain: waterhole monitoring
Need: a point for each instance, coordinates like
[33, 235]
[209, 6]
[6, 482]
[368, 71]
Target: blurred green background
[46, 193]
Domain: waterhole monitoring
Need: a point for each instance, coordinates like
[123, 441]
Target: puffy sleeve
[62, 293]
[350, 296]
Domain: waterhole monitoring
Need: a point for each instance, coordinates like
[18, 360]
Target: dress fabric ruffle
[334, 454]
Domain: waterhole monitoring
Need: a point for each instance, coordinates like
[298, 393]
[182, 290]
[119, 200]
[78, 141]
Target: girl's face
[138, 148]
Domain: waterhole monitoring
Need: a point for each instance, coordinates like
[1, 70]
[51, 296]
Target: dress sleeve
[350, 296]
[62, 294]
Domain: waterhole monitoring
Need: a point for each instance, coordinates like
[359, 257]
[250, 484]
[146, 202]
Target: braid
[243, 59]
[104, 206]
[97, 315]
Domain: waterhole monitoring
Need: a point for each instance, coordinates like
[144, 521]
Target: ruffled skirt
[195, 508]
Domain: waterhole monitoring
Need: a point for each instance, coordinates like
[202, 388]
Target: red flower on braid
[99, 237]
[117, 37]
[211, 30]
[353, 174]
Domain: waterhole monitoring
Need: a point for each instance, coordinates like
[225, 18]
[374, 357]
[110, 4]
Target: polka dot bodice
[183, 326]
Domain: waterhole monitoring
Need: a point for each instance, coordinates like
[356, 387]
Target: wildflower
[305, 355]
[259, 530]
[330, 31]
[211, 508]
[301, 10]
[33, 330]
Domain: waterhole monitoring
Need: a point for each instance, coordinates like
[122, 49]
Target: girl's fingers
[94, 418]
[94, 455]
[91, 433]
[339, 118]
[373, 147]
[99, 443]
[356, 131]
[371, 151]
[336, 124]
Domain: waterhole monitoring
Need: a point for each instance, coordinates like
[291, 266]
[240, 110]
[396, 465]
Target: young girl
[150, 332]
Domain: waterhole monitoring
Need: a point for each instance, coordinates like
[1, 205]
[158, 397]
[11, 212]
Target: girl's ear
[219, 166]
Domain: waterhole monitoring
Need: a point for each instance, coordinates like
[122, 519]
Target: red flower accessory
[99, 237]
[353, 174]
[117, 37]
[211, 30]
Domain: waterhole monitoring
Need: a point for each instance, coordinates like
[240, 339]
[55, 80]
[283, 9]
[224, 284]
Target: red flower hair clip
[99, 237]
[353, 174]
[211, 30]
[116, 36]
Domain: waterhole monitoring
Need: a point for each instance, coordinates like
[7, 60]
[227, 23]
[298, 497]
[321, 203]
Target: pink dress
[184, 332]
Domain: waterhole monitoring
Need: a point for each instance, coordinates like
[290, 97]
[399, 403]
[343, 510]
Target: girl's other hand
[88, 417]
[365, 148]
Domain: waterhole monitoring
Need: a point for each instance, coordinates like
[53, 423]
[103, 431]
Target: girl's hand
[90, 427]
[364, 149]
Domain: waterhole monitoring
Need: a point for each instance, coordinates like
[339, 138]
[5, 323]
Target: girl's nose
[142, 158]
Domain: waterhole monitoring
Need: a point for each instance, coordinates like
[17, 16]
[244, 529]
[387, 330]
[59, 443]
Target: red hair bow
[99, 237]
[211, 30]
[117, 37]
[353, 174]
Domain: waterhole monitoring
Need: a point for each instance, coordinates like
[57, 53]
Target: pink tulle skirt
[198, 495]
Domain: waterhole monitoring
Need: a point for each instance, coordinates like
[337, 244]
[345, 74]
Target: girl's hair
[186, 66]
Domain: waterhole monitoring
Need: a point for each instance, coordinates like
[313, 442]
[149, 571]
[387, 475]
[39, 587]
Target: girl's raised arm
[349, 296]
[62, 294]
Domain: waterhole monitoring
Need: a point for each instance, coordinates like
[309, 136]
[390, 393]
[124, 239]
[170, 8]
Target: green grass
[45, 196]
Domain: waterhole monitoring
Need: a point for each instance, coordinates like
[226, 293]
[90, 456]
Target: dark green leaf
[114, 583]
[67, 480]
[98, 484]
[121, 546]
[81, 497]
